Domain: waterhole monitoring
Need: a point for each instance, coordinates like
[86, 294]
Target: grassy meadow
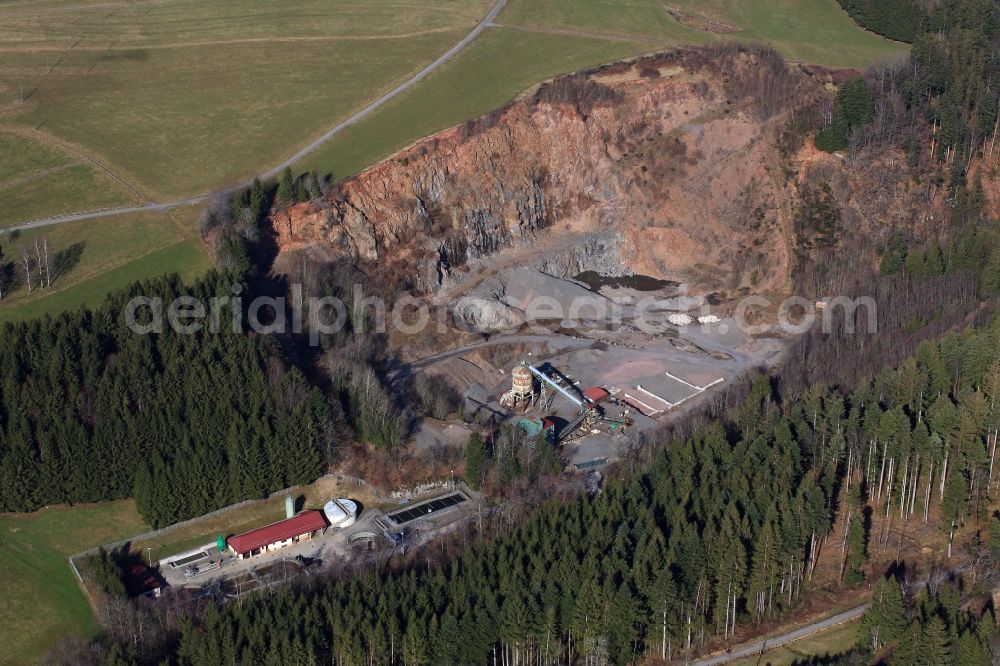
[102, 255]
[831, 642]
[182, 96]
[495, 68]
[67, 189]
[178, 97]
[24, 159]
[39, 179]
[41, 599]
[811, 31]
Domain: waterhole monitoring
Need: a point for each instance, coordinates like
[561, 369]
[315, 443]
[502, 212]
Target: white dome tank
[341, 512]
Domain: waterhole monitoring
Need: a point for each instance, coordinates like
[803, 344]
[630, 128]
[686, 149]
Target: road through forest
[759, 647]
[755, 649]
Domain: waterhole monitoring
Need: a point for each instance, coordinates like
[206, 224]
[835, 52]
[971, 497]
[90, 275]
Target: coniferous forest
[723, 519]
[931, 627]
[90, 411]
[725, 527]
[896, 19]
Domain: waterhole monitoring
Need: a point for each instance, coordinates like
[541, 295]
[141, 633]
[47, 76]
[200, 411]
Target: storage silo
[522, 382]
[522, 389]
[341, 512]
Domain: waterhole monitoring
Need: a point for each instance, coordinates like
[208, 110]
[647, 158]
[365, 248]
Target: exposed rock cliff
[678, 166]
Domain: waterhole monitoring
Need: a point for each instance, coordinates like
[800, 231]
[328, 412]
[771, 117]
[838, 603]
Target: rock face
[667, 167]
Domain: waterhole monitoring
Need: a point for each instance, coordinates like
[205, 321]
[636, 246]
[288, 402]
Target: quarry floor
[619, 338]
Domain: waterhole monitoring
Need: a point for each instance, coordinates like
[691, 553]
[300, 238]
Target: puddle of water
[595, 281]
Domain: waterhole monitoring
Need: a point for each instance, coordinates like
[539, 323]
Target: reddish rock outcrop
[675, 167]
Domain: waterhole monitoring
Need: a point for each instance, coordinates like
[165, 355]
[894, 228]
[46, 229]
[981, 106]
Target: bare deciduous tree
[218, 213]
[44, 261]
[26, 267]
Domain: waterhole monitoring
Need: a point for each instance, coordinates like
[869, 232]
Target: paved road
[329, 134]
[821, 625]
[755, 648]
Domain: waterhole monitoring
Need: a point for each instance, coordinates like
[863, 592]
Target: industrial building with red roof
[277, 535]
[596, 394]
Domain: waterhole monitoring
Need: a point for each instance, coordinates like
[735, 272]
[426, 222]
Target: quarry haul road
[308, 149]
[562, 341]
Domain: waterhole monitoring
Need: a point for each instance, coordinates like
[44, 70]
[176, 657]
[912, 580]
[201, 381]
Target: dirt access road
[554, 339]
[308, 149]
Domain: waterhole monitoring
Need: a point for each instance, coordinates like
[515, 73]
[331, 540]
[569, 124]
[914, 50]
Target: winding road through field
[306, 150]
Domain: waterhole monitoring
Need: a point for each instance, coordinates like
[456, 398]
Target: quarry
[418, 335]
[601, 229]
[643, 366]
[606, 228]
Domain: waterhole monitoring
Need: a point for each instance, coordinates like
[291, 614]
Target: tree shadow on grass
[68, 259]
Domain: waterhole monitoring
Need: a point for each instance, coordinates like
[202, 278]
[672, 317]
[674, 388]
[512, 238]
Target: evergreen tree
[896, 19]
[934, 644]
[286, 186]
[857, 549]
[475, 460]
[414, 647]
[885, 620]
[894, 256]
[853, 110]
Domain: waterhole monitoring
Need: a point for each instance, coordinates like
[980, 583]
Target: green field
[812, 31]
[41, 599]
[176, 97]
[181, 96]
[489, 72]
[38, 180]
[185, 257]
[104, 255]
[24, 158]
[62, 190]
